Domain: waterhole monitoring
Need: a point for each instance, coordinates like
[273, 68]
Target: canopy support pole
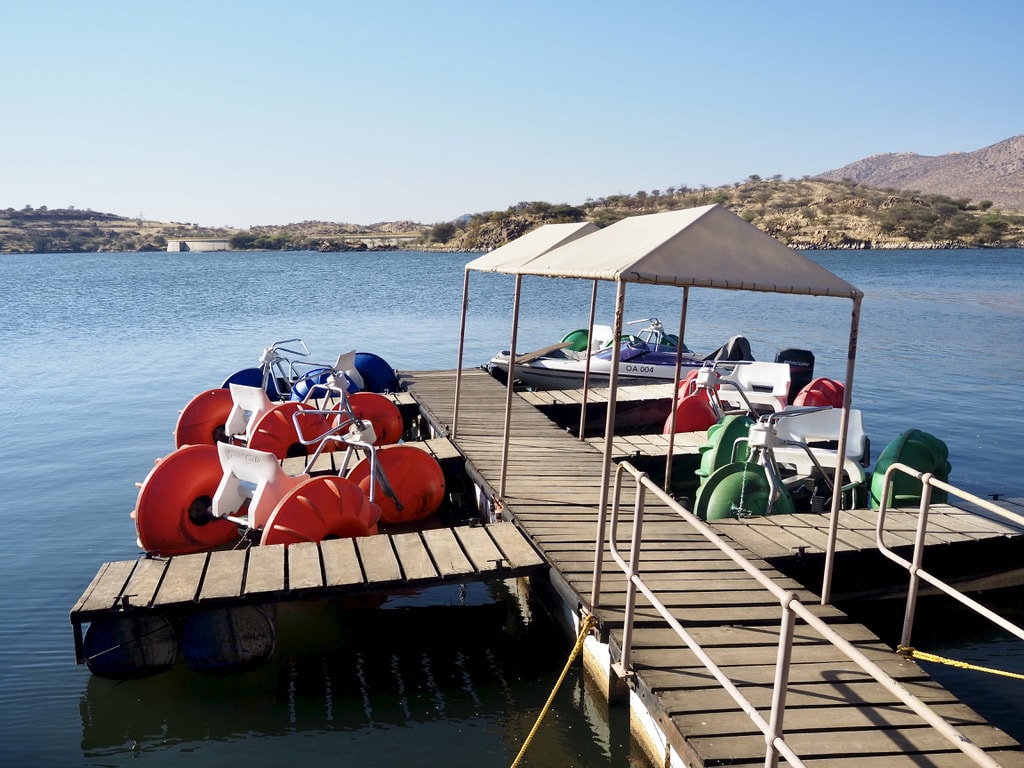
[586, 363]
[837, 481]
[609, 435]
[462, 342]
[675, 391]
[509, 387]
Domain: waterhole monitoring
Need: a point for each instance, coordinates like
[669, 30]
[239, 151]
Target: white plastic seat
[253, 476]
[248, 404]
[762, 383]
[600, 337]
[820, 426]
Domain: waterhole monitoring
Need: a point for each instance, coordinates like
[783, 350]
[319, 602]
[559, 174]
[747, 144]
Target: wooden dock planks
[838, 715]
[326, 569]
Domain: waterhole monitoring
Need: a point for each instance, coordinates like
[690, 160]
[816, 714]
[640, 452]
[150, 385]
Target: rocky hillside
[70, 230]
[903, 200]
[995, 173]
[807, 214]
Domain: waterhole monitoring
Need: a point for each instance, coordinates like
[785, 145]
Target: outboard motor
[801, 368]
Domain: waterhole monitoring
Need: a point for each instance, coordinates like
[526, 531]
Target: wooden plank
[265, 570]
[748, 655]
[822, 718]
[660, 676]
[379, 560]
[448, 555]
[528, 356]
[1006, 758]
[977, 518]
[225, 572]
[851, 694]
[105, 590]
[341, 563]
[516, 549]
[733, 636]
[144, 582]
[413, 557]
[304, 571]
[182, 579]
[441, 448]
[481, 550]
[763, 539]
[837, 743]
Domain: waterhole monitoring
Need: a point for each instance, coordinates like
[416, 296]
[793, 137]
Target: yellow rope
[585, 626]
[913, 653]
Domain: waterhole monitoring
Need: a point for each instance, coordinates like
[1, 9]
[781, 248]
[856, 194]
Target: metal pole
[631, 574]
[462, 340]
[609, 428]
[781, 686]
[675, 391]
[586, 363]
[915, 567]
[508, 386]
[837, 484]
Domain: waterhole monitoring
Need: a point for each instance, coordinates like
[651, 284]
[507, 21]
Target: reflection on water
[368, 682]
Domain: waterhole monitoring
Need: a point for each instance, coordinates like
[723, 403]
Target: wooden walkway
[331, 568]
[837, 715]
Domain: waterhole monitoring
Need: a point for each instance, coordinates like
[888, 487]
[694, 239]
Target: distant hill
[995, 173]
[806, 213]
[897, 200]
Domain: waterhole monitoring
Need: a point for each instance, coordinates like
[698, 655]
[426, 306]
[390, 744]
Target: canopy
[708, 247]
[525, 249]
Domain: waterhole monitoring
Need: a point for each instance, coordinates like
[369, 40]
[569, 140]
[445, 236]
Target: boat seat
[763, 383]
[821, 426]
[601, 336]
[248, 404]
[253, 476]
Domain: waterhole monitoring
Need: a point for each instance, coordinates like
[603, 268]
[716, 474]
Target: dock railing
[917, 573]
[791, 608]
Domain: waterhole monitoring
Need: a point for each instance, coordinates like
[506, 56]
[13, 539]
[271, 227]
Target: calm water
[101, 350]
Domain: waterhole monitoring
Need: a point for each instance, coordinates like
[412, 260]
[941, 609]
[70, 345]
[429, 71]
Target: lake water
[102, 350]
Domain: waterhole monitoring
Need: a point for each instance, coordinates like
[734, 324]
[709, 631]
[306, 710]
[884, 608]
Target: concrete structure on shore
[199, 245]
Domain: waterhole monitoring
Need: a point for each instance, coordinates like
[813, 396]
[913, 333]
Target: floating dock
[275, 574]
[837, 714]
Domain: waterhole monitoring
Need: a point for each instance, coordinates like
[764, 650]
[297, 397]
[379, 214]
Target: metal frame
[789, 604]
[913, 566]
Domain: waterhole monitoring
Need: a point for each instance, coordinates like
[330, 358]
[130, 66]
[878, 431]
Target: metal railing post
[631, 574]
[914, 586]
[781, 686]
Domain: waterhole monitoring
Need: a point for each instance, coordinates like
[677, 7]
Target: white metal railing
[791, 609]
[913, 566]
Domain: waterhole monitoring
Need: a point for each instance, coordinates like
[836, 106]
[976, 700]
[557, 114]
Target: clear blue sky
[247, 112]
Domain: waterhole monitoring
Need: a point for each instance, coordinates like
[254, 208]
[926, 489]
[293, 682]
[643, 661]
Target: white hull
[567, 372]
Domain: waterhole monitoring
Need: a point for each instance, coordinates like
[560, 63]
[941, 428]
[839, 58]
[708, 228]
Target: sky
[242, 113]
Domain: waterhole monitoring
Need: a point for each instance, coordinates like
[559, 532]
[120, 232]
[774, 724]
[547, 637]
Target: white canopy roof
[707, 247]
[524, 249]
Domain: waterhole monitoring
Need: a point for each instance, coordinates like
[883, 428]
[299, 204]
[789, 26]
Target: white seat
[820, 426]
[247, 405]
[600, 337]
[762, 384]
[253, 476]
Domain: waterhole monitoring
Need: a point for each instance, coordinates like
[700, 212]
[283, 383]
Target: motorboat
[646, 357]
